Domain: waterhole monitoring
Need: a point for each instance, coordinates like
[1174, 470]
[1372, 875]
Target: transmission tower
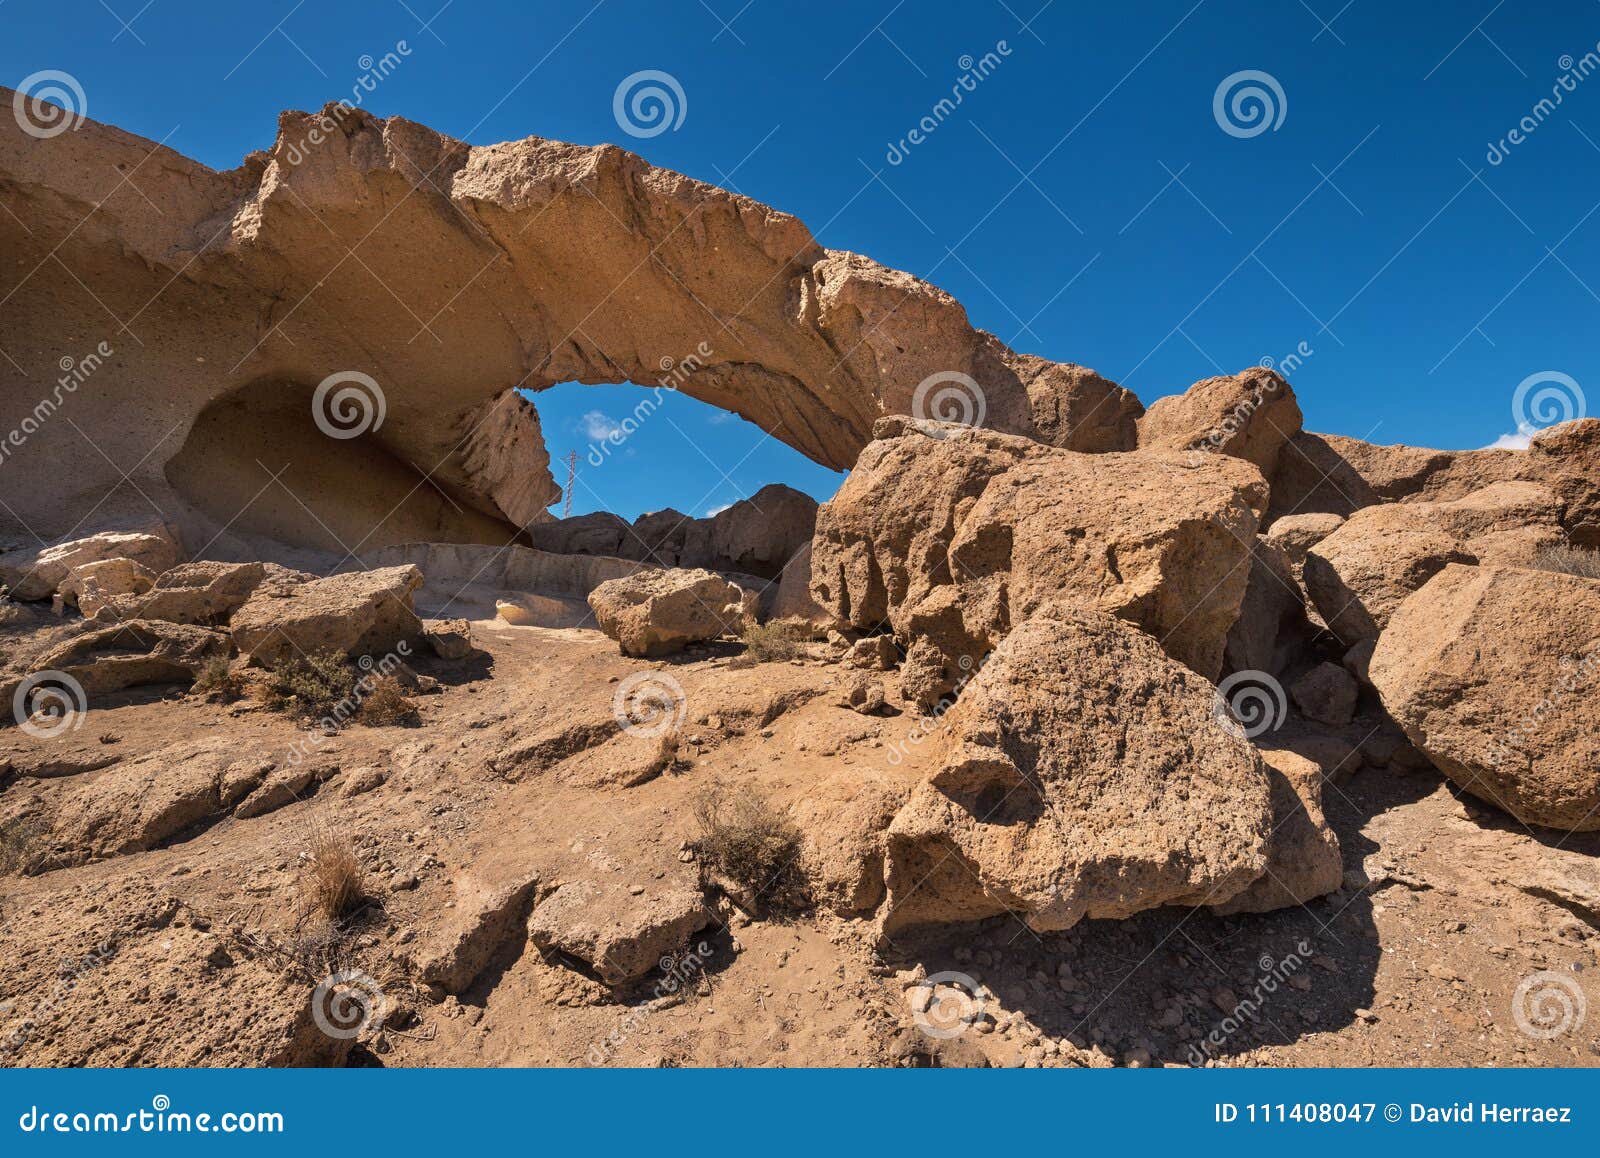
[572, 473]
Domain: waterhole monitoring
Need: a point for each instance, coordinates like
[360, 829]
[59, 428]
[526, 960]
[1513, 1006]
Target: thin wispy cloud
[599, 426]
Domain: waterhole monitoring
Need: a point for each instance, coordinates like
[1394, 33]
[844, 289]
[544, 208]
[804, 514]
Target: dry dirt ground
[200, 950]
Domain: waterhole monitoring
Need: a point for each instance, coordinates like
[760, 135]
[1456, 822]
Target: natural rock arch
[451, 275]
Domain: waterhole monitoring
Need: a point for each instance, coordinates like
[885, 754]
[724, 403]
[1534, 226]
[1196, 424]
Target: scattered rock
[619, 935]
[655, 613]
[1327, 694]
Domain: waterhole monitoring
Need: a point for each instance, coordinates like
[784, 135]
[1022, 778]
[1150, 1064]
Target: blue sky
[1084, 202]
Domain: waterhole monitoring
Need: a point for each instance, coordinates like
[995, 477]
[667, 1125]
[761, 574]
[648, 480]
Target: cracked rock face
[447, 275]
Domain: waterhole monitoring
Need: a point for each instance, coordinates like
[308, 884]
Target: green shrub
[311, 685]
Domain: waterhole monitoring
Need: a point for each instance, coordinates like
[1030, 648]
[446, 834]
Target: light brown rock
[38, 573]
[1327, 694]
[1491, 671]
[1250, 415]
[659, 612]
[1082, 773]
[1272, 625]
[1303, 860]
[449, 638]
[952, 536]
[93, 586]
[843, 821]
[204, 592]
[620, 934]
[354, 613]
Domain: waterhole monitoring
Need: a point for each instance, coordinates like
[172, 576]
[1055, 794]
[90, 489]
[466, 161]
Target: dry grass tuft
[773, 642]
[385, 702]
[309, 685]
[1569, 560]
[744, 838]
[334, 880]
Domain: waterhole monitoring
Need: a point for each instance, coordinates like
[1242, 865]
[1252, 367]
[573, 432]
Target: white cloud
[722, 416]
[1517, 441]
[599, 426]
[717, 510]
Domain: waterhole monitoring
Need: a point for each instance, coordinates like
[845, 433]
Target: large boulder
[204, 592]
[620, 931]
[38, 573]
[1360, 573]
[1490, 671]
[655, 612]
[1082, 773]
[353, 613]
[597, 533]
[1303, 860]
[1251, 415]
[952, 536]
[758, 535]
[1272, 625]
[107, 659]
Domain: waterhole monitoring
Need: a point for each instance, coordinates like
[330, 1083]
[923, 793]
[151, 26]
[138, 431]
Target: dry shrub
[311, 685]
[1569, 560]
[334, 880]
[773, 642]
[744, 838]
[385, 702]
[218, 681]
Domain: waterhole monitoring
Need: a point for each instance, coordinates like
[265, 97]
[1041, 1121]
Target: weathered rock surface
[1082, 774]
[1491, 672]
[1360, 573]
[488, 919]
[449, 638]
[844, 820]
[38, 573]
[619, 933]
[108, 659]
[1272, 622]
[1303, 860]
[93, 586]
[1250, 415]
[201, 592]
[1297, 534]
[953, 536]
[659, 612]
[1327, 694]
[355, 613]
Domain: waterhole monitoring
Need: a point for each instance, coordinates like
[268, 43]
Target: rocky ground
[211, 948]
